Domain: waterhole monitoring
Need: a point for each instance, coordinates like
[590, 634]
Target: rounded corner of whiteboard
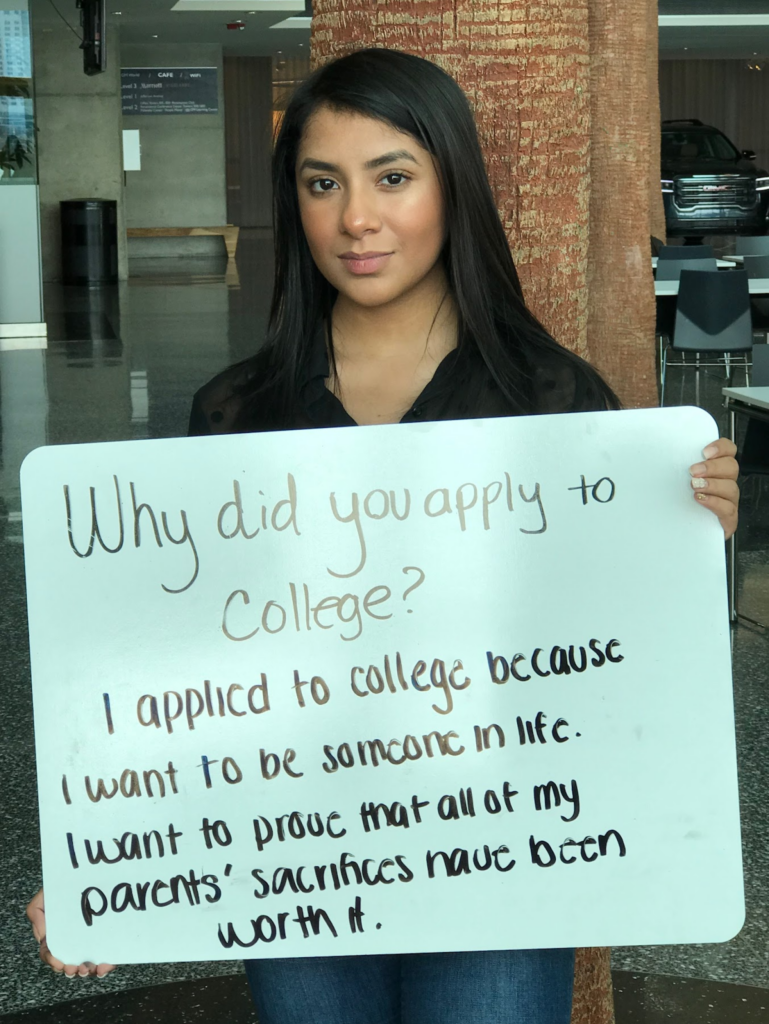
[732, 924]
[694, 414]
[30, 461]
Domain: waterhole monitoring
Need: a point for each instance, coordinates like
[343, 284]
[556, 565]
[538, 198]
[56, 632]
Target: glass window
[287, 74]
[18, 163]
[686, 145]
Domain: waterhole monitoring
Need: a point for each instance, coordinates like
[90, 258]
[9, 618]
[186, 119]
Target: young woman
[396, 300]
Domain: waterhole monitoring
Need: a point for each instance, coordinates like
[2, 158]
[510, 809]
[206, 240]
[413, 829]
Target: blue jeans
[530, 986]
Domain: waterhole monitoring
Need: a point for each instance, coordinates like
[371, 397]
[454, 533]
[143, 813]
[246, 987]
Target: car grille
[717, 190]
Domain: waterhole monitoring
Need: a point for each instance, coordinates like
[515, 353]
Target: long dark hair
[413, 96]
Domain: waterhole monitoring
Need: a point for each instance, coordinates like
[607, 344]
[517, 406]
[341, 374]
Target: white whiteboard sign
[431, 687]
[132, 149]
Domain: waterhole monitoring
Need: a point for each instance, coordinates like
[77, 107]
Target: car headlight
[762, 184]
[667, 186]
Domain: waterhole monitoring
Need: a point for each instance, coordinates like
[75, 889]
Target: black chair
[752, 245]
[754, 457]
[760, 366]
[712, 316]
[670, 270]
[685, 252]
[756, 266]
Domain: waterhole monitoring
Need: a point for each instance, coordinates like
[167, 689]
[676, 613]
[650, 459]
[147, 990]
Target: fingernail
[700, 496]
[710, 451]
[699, 470]
[698, 481]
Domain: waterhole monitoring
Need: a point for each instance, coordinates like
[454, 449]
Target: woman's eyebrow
[386, 158]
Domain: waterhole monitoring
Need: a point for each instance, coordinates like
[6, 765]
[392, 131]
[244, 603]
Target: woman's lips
[365, 263]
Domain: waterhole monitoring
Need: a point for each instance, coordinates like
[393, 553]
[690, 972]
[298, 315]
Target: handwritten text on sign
[444, 686]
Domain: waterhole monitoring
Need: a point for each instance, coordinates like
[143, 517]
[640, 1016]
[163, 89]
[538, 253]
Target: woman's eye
[322, 185]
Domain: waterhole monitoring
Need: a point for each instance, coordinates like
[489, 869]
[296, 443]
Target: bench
[229, 233]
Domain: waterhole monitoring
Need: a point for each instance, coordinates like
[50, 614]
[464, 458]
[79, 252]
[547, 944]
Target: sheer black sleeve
[564, 383]
[216, 405]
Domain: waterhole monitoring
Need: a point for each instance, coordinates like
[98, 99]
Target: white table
[747, 398]
[753, 403]
[740, 260]
[757, 286]
[727, 261]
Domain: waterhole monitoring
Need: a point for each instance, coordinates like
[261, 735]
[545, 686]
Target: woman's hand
[715, 483]
[36, 915]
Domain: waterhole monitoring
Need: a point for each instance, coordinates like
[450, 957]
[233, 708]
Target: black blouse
[559, 383]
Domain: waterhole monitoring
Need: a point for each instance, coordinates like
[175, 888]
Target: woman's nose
[360, 213]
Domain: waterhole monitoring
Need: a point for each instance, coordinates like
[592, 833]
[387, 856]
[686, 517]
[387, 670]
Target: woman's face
[371, 206]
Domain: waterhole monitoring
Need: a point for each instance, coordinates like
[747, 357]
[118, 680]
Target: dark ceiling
[714, 6]
[147, 21]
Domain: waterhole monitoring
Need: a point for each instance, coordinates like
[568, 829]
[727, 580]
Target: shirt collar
[317, 398]
[317, 366]
[314, 395]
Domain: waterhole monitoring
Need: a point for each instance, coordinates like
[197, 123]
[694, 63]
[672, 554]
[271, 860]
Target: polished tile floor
[123, 363]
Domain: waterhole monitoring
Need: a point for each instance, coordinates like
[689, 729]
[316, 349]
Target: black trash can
[89, 241]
